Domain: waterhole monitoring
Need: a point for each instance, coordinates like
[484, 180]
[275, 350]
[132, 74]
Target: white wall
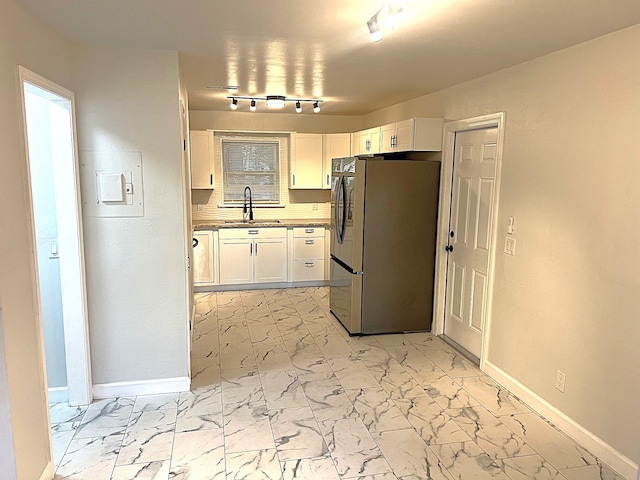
[569, 298]
[27, 42]
[128, 100]
[274, 122]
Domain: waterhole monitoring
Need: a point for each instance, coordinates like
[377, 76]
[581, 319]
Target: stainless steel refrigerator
[383, 232]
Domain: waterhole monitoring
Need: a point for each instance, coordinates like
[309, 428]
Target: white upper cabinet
[415, 134]
[306, 163]
[369, 141]
[336, 145]
[201, 159]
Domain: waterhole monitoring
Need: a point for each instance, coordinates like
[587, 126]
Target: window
[251, 163]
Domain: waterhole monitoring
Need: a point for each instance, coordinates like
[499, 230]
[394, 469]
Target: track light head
[316, 107]
[374, 29]
[234, 104]
[252, 106]
[298, 107]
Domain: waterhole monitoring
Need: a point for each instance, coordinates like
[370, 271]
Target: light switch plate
[510, 246]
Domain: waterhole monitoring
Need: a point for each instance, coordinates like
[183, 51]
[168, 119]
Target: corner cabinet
[311, 154]
[335, 145]
[306, 163]
[415, 134]
[202, 171]
[253, 255]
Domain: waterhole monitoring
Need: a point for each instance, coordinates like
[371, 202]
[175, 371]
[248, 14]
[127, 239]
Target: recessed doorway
[49, 127]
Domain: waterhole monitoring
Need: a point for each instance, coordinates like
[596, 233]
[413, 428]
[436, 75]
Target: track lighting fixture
[374, 29]
[274, 101]
[387, 16]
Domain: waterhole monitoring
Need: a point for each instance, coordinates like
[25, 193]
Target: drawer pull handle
[254, 232]
[309, 242]
[309, 264]
[309, 230]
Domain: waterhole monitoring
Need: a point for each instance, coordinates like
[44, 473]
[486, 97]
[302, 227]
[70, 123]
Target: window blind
[251, 163]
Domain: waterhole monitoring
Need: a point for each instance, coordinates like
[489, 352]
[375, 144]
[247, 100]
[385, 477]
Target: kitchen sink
[252, 222]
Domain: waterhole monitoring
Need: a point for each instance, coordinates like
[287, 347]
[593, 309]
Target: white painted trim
[450, 129]
[605, 452]
[58, 394]
[143, 387]
[76, 326]
[48, 472]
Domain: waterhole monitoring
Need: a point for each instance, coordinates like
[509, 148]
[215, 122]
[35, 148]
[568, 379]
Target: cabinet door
[270, 259]
[375, 140]
[404, 136]
[236, 261]
[203, 258]
[387, 137]
[355, 143]
[201, 159]
[365, 141]
[336, 145]
[307, 171]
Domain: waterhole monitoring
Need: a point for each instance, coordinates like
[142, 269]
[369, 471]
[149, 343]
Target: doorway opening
[467, 232]
[50, 140]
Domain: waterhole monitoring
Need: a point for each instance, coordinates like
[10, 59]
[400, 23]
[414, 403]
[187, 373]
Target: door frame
[444, 215]
[76, 325]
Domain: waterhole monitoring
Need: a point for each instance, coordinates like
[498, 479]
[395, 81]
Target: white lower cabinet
[253, 255]
[203, 265]
[308, 254]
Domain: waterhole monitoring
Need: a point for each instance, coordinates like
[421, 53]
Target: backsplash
[298, 204]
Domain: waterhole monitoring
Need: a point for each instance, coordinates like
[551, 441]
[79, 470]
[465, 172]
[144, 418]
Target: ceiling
[321, 48]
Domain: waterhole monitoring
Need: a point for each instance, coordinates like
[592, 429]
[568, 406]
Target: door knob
[449, 248]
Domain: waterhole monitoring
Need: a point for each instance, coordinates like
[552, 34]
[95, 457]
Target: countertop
[289, 223]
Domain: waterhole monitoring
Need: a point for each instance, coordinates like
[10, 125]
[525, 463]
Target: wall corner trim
[142, 387]
[48, 472]
[598, 447]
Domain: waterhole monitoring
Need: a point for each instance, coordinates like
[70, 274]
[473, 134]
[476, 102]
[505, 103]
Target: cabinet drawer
[258, 232]
[308, 248]
[308, 232]
[308, 270]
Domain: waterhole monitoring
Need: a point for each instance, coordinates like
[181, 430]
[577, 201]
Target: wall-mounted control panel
[112, 184]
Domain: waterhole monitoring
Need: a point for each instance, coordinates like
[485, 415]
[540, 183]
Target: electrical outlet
[561, 378]
[314, 206]
[199, 207]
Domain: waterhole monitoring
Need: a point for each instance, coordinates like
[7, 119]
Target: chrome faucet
[244, 208]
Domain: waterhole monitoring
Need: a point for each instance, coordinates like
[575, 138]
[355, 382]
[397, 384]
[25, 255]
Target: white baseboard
[605, 452]
[143, 387]
[58, 394]
[48, 472]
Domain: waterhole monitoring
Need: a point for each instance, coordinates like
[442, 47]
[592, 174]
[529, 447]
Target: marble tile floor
[280, 391]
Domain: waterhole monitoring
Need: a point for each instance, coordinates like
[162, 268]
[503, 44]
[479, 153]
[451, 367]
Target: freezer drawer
[345, 297]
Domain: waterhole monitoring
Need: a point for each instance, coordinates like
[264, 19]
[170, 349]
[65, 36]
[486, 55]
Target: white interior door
[470, 236]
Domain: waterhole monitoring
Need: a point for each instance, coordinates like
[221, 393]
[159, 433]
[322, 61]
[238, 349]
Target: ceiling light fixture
[374, 29]
[275, 101]
[388, 15]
